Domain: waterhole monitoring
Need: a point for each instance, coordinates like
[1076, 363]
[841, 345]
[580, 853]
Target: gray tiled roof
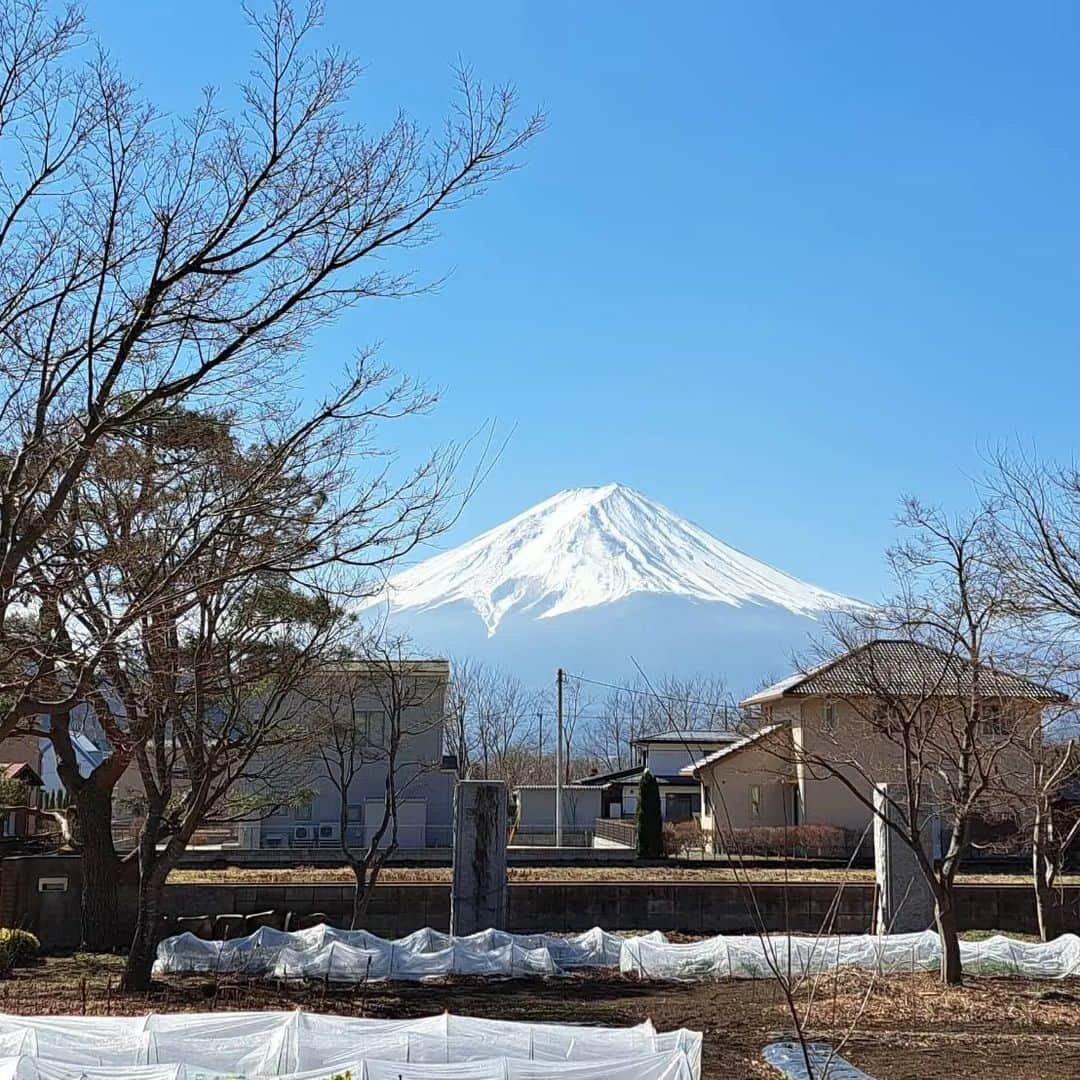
[689, 736]
[902, 667]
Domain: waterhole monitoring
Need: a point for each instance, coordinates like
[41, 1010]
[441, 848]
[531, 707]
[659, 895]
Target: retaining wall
[397, 909]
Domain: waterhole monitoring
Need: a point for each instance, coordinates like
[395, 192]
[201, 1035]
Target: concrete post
[905, 899]
[478, 894]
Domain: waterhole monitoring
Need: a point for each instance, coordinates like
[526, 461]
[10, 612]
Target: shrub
[20, 946]
[683, 837]
[795, 840]
[650, 825]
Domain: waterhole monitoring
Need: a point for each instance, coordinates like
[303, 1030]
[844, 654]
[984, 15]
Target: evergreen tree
[650, 827]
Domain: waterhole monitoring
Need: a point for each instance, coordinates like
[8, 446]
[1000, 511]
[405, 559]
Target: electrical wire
[723, 707]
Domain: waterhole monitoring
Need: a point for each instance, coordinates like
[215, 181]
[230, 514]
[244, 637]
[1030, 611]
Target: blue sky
[771, 264]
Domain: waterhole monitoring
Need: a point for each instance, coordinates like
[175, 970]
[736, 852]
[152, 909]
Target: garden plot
[754, 957]
[257, 1046]
[357, 956]
[324, 952]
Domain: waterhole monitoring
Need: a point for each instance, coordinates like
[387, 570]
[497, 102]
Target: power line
[728, 712]
[725, 706]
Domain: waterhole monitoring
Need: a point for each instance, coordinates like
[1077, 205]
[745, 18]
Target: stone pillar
[478, 894]
[905, 900]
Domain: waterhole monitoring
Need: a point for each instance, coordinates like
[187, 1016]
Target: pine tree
[650, 827]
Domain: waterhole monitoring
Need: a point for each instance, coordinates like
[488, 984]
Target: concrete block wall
[396, 909]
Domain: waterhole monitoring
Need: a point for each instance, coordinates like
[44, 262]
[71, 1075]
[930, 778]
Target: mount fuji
[594, 576]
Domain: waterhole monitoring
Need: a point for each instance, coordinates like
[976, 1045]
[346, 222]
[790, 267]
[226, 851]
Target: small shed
[535, 823]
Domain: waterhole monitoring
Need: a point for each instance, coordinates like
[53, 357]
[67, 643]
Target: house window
[373, 726]
[828, 717]
[755, 802]
[886, 718]
[356, 811]
[302, 813]
[678, 807]
[992, 718]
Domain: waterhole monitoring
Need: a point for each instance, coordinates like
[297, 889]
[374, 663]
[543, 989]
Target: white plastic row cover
[753, 957]
[301, 1045]
[324, 952]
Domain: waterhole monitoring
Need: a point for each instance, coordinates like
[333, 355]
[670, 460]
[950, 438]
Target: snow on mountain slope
[588, 547]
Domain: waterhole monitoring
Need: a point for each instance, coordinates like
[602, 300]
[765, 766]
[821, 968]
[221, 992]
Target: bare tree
[1049, 816]
[181, 510]
[506, 727]
[1035, 508]
[460, 729]
[576, 702]
[924, 707]
[146, 259]
[369, 714]
[146, 263]
[492, 724]
[222, 720]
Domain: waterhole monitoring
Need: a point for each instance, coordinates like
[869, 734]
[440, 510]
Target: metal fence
[616, 831]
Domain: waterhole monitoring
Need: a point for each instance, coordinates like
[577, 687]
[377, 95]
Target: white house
[665, 754]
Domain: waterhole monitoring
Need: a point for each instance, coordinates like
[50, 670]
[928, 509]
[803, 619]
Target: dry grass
[919, 1001]
[304, 875]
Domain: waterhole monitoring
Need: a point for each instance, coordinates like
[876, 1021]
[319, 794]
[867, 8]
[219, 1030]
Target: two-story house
[666, 755]
[400, 716]
[773, 775]
[411, 704]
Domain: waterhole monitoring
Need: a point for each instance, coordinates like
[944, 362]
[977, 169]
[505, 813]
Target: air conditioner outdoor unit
[303, 832]
[328, 830]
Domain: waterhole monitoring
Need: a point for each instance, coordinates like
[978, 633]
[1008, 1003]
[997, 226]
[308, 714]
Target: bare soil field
[303, 875]
[899, 1028]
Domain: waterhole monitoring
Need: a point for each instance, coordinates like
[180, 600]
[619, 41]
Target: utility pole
[559, 676]
[540, 743]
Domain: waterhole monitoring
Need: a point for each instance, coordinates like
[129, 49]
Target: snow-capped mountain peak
[587, 547]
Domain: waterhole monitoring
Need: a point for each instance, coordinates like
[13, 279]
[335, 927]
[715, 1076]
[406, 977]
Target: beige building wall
[727, 784]
[826, 798]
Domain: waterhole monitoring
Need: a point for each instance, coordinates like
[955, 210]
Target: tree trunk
[952, 973]
[140, 961]
[100, 871]
[358, 902]
[1048, 906]
[154, 868]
